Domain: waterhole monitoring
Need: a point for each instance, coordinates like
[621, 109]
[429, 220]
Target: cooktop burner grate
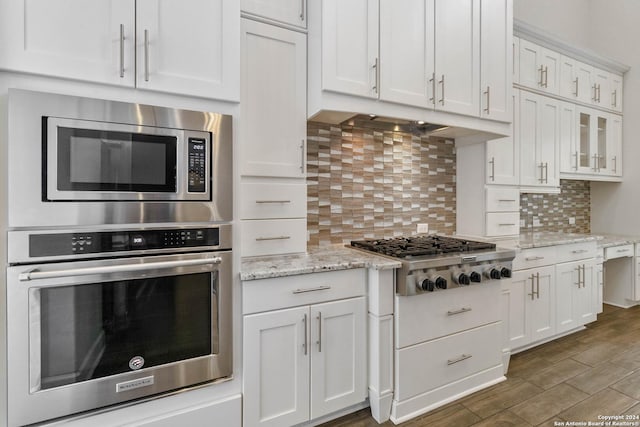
[421, 246]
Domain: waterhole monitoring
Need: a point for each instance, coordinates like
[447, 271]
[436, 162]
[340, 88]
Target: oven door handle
[36, 274]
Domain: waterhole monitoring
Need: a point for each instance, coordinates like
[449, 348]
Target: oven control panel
[58, 244]
[197, 165]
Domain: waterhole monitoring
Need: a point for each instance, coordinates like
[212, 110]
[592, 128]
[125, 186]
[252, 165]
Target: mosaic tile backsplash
[554, 210]
[365, 183]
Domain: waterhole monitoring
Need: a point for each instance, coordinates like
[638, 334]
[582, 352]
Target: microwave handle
[35, 274]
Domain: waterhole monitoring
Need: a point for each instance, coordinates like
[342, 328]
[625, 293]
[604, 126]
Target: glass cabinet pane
[585, 143]
[602, 143]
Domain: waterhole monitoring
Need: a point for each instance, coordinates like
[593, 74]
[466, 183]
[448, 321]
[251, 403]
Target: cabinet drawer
[619, 251]
[269, 201]
[446, 360]
[534, 257]
[446, 312]
[576, 251]
[502, 223]
[272, 237]
[503, 199]
[291, 291]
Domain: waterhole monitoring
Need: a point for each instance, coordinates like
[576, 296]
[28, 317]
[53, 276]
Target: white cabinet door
[496, 59]
[189, 49]
[568, 285]
[273, 107]
[614, 141]
[539, 67]
[338, 355]
[74, 39]
[586, 296]
[567, 138]
[599, 286]
[292, 12]
[457, 56]
[584, 82]
[539, 131]
[602, 88]
[276, 367]
[541, 306]
[503, 154]
[615, 87]
[407, 26]
[350, 47]
[568, 84]
[518, 325]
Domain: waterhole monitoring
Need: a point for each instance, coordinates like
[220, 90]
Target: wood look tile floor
[575, 378]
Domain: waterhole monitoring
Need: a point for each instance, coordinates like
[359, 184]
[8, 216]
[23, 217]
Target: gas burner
[421, 246]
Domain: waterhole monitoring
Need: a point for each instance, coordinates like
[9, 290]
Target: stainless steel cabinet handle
[598, 93]
[488, 100]
[376, 66]
[594, 97]
[534, 258]
[304, 344]
[546, 173]
[507, 200]
[319, 332]
[442, 82]
[541, 173]
[533, 293]
[261, 202]
[595, 160]
[541, 70]
[302, 10]
[576, 83]
[579, 251]
[458, 359]
[302, 157]
[121, 50]
[614, 98]
[492, 177]
[262, 239]
[576, 156]
[507, 225]
[319, 288]
[36, 274]
[579, 281]
[614, 159]
[146, 55]
[584, 274]
[462, 310]
[433, 88]
[538, 285]
[622, 250]
[546, 76]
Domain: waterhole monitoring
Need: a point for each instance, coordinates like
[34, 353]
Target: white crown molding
[536, 35]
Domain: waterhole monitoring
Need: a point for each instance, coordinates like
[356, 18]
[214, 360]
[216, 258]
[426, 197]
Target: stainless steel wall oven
[119, 238]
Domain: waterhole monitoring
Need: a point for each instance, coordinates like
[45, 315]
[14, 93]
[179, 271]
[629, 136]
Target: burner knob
[461, 279]
[505, 272]
[475, 277]
[426, 285]
[441, 283]
[493, 274]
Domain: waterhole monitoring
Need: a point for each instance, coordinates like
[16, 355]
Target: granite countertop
[545, 238]
[609, 240]
[330, 258]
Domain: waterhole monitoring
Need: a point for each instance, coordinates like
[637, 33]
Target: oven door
[89, 160]
[84, 335]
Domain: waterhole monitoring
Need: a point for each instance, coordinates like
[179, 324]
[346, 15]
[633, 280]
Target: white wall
[611, 29]
[567, 20]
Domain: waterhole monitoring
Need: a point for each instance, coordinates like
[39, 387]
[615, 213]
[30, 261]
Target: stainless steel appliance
[78, 161]
[433, 262]
[120, 315]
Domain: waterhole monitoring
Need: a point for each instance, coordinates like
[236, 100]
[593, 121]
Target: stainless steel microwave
[82, 161]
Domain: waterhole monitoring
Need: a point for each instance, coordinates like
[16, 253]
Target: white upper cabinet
[503, 154]
[292, 12]
[407, 26]
[457, 56]
[538, 139]
[75, 39]
[171, 46]
[188, 48]
[496, 59]
[615, 145]
[539, 67]
[350, 47]
[273, 106]
[615, 89]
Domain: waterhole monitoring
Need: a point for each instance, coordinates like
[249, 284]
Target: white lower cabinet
[575, 294]
[305, 362]
[533, 307]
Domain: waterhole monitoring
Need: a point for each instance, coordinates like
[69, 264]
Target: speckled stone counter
[330, 258]
[539, 239]
[609, 240]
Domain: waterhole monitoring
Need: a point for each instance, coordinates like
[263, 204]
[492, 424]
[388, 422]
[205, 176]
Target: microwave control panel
[57, 244]
[197, 165]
